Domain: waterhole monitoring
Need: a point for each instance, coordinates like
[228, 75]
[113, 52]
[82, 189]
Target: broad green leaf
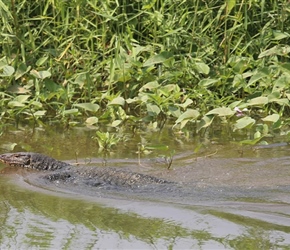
[188, 115]
[276, 50]
[117, 101]
[131, 100]
[15, 104]
[183, 123]
[81, 79]
[39, 113]
[239, 65]
[243, 106]
[221, 112]
[19, 101]
[137, 49]
[256, 77]
[3, 60]
[207, 82]
[21, 98]
[122, 76]
[174, 111]
[116, 123]
[277, 125]
[22, 69]
[169, 62]
[160, 58]
[285, 67]
[53, 88]
[238, 80]
[205, 121]
[258, 134]
[155, 125]
[71, 112]
[8, 146]
[40, 74]
[187, 102]
[92, 120]
[281, 101]
[150, 86]
[271, 118]
[268, 52]
[36, 104]
[281, 83]
[153, 109]
[202, 68]
[41, 60]
[143, 97]
[275, 97]
[244, 122]
[284, 50]
[6, 71]
[155, 98]
[278, 35]
[264, 128]
[234, 104]
[262, 100]
[93, 107]
[169, 88]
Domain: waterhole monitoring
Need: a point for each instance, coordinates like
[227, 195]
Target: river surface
[225, 196]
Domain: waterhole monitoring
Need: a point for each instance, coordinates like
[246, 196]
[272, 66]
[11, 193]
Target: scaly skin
[65, 171]
[32, 160]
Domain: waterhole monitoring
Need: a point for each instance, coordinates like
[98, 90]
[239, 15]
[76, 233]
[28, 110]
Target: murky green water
[230, 201]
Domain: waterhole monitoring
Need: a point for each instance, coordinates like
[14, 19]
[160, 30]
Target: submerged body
[65, 172]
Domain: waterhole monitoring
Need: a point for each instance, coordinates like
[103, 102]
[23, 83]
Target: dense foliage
[149, 61]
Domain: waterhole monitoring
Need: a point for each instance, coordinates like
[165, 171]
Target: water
[229, 200]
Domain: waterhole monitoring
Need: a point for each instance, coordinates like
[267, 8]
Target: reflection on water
[233, 202]
[35, 219]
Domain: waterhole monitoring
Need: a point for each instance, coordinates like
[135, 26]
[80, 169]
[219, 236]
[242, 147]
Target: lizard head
[20, 159]
[32, 160]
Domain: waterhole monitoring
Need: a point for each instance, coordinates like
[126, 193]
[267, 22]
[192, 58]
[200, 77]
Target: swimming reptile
[59, 170]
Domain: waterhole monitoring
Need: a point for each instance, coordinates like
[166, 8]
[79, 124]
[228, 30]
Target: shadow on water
[227, 202]
[34, 219]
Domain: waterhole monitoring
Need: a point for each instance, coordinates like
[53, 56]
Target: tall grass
[80, 34]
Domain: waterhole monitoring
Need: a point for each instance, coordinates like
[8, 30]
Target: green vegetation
[156, 61]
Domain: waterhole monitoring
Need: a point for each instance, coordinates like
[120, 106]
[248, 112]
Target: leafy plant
[187, 63]
[106, 140]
